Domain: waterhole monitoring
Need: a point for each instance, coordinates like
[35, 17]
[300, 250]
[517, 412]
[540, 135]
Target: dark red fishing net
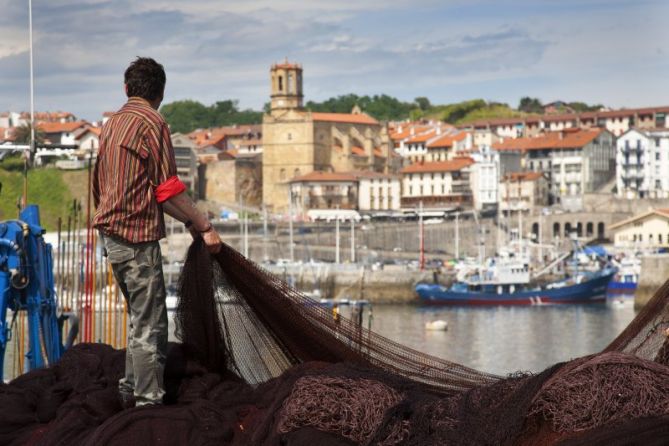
[260, 364]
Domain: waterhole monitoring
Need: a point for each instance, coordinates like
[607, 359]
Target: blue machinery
[27, 284]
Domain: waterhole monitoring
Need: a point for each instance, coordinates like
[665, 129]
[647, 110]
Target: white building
[88, 138]
[484, 178]
[378, 192]
[9, 119]
[615, 121]
[642, 164]
[437, 185]
[649, 230]
[577, 161]
[447, 146]
[61, 133]
[410, 138]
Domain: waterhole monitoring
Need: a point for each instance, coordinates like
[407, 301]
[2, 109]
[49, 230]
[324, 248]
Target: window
[282, 174]
[289, 136]
[657, 156]
[280, 83]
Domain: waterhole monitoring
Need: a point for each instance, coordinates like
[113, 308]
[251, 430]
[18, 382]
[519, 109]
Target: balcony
[632, 173]
[437, 201]
[632, 162]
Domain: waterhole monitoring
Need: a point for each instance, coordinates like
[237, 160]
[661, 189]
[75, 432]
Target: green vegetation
[22, 134]
[381, 107]
[534, 105]
[186, 116]
[51, 189]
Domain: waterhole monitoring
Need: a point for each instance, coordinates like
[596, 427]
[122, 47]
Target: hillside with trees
[188, 115]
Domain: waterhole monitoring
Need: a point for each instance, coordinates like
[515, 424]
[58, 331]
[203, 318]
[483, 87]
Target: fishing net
[260, 364]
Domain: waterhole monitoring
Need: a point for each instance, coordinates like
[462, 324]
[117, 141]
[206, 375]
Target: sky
[612, 52]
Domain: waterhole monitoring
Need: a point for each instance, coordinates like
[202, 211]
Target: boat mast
[31, 152]
[246, 234]
[352, 240]
[457, 235]
[264, 233]
[291, 248]
[337, 236]
[421, 236]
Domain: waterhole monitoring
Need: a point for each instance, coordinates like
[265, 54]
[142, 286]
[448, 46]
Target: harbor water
[499, 340]
[503, 340]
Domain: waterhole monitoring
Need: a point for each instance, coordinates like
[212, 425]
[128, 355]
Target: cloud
[214, 50]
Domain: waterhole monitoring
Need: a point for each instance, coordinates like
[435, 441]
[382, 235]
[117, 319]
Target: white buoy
[438, 325]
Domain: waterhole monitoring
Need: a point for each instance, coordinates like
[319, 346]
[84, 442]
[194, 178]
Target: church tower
[286, 81]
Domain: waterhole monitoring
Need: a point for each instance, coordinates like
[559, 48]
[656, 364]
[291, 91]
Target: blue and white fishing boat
[624, 284]
[508, 283]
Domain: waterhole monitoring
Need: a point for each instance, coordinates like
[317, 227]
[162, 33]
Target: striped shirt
[134, 158]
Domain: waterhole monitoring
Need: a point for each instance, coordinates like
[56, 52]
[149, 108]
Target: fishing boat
[624, 283]
[508, 283]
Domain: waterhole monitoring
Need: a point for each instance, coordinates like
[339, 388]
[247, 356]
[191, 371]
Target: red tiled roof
[453, 165]
[422, 137]
[349, 118]
[60, 127]
[47, 116]
[94, 130]
[566, 139]
[318, 175]
[359, 151]
[407, 130]
[446, 140]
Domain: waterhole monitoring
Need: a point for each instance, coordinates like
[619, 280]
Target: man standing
[134, 181]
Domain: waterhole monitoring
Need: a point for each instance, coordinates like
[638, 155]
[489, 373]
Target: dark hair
[145, 78]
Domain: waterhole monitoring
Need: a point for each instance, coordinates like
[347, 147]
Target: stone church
[297, 141]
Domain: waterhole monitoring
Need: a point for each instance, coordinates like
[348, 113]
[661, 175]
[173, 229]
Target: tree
[423, 103]
[188, 115]
[22, 134]
[583, 107]
[530, 105]
[381, 107]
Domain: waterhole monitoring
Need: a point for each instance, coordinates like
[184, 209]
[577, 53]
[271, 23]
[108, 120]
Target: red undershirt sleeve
[169, 188]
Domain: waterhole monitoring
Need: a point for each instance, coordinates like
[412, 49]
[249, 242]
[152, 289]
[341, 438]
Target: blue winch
[27, 284]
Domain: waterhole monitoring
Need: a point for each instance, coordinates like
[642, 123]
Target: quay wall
[394, 284]
[654, 272]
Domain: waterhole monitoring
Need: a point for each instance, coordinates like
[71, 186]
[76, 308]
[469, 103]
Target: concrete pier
[654, 272]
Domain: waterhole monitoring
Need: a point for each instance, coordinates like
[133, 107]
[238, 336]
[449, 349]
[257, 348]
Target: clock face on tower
[281, 102]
